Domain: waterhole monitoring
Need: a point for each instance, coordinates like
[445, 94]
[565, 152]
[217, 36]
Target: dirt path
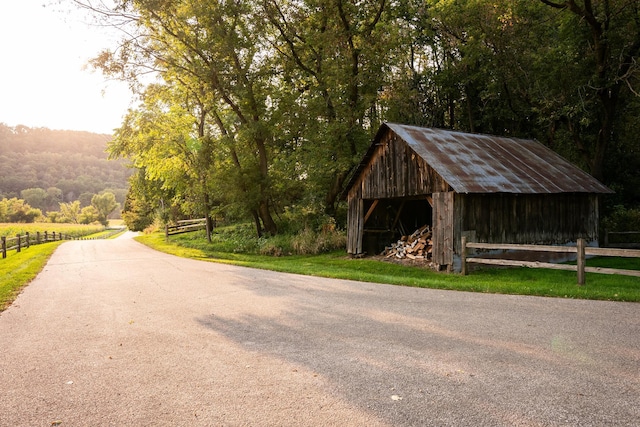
[112, 333]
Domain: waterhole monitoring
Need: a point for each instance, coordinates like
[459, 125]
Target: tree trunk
[269, 224]
[331, 199]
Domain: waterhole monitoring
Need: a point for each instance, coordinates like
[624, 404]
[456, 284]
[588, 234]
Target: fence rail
[185, 226]
[624, 245]
[581, 251]
[20, 242]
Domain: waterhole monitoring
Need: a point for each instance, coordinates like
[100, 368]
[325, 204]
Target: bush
[622, 219]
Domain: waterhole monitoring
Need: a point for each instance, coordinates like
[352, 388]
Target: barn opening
[390, 219]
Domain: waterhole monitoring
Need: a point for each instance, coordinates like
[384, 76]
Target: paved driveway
[112, 333]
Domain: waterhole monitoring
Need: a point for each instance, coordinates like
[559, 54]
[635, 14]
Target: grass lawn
[522, 281]
[19, 268]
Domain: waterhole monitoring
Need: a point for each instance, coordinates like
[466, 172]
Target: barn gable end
[395, 170]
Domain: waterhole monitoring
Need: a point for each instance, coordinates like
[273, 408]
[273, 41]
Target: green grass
[19, 268]
[519, 281]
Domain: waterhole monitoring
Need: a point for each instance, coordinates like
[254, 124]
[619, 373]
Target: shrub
[622, 219]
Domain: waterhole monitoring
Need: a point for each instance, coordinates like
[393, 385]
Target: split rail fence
[24, 241]
[185, 226]
[622, 235]
[581, 251]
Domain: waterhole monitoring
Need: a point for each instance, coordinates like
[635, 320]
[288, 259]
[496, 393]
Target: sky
[43, 81]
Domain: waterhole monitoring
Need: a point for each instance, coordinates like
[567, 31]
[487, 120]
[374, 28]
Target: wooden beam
[370, 211]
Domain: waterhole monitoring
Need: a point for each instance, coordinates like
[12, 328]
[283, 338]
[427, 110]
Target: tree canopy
[263, 108]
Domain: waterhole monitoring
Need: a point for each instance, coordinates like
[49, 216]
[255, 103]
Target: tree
[71, 211]
[88, 215]
[216, 53]
[335, 57]
[17, 210]
[606, 38]
[104, 204]
[35, 197]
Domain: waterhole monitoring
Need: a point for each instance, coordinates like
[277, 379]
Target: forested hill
[72, 161]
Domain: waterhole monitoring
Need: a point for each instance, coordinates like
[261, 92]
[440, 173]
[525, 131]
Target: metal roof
[474, 163]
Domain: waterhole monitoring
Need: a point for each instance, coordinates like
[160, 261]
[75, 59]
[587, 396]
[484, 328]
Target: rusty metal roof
[474, 163]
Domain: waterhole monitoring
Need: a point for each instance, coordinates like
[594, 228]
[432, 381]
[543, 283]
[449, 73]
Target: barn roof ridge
[481, 163]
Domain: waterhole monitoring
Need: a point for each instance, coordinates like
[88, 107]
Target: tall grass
[241, 238]
[74, 230]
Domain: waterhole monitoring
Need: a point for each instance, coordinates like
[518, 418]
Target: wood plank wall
[397, 171]
[530, 218]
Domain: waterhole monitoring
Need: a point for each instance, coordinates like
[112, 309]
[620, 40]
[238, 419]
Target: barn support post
[581, 261]
[443, 230]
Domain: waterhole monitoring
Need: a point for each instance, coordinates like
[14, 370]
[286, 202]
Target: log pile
[415, 246]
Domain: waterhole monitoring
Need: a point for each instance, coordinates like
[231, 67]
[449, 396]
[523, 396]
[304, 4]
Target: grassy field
[522, 281]
[75, 230]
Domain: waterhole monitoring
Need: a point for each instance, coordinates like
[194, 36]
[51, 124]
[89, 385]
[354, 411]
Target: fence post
[46, 236]
[19, 242]
[463, 255]
[4, 246]
[54, 236]
[28, 240]
[580, 261]
[166, 232]
[38, 241]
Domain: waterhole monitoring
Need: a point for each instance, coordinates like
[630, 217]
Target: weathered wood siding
[394, 171]
[397, 171]
[530, 218]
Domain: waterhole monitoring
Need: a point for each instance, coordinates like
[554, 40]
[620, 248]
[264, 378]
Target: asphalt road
[112, 333]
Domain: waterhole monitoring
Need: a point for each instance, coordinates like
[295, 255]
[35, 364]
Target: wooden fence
[24, 241]
[581, 251]
[624, 245]
[185, 226]
[20, 242]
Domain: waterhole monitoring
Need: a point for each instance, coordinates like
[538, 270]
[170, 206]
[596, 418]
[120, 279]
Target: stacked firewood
[415, 246]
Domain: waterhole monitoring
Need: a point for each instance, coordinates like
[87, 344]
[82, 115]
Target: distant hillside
[75, 162]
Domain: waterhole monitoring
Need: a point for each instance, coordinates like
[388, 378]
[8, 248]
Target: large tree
[335, 58]
[215, 52]
[605, 37]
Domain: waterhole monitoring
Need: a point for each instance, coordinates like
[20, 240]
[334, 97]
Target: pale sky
[42, 81]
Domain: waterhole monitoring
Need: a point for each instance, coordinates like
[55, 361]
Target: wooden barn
[487, 188]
